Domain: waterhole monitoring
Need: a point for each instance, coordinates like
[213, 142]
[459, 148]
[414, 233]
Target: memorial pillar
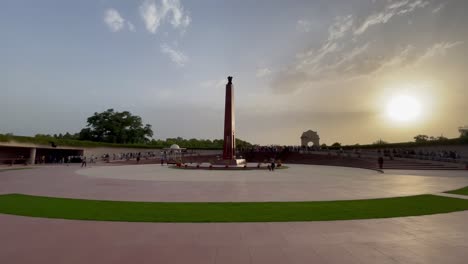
[229, 148]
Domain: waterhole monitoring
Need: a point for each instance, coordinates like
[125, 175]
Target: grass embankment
[12, 169]
[462, 191]
[50, 207]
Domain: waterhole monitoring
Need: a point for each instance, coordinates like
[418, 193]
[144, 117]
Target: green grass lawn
[50, 207]
[10, 169]
[462, 191]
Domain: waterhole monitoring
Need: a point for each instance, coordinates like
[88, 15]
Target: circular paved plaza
[160, 183]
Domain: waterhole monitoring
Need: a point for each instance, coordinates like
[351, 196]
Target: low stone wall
[9, 150]
[99, 152]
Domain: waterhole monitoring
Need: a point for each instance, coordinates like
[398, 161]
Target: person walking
[83, 162]
[272, 165]
[380, 161]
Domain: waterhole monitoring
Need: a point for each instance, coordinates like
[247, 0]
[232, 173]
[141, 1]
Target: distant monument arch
[310, 137]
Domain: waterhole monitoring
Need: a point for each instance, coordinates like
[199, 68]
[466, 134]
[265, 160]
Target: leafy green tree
[441, 138]
[336, 144]
[116, 127]
[421, 138]
[241, 144]
[380, 142]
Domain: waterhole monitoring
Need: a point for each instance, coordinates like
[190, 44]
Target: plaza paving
[425, 239]
[157, 183]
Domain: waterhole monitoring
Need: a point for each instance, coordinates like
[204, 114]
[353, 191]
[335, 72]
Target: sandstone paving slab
[393, 240]
[159, 183]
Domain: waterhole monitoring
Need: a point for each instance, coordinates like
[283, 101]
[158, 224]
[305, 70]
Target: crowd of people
[441, 155]
[421, 154]
[129, 156]
[278, 149]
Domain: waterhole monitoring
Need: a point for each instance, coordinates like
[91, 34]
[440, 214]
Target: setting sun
[404, 108]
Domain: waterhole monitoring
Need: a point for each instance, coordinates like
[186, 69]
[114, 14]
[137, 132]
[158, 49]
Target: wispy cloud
[346, 53]
[213, 83]
[311, 60]
[263, 72]
[341, 25]
[391, 10]
[406, 57]
[438, 8]
[303, 25]
[176, 56]
[440, 49]
[130, 26]
[114, 20]
[150, 15]
[154, 14]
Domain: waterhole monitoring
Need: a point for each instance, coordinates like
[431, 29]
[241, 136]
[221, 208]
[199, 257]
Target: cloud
[438, 8]
[303, 25]
[341, 25]
[130, 26]
[154, 14]
[176, 56]
[116, 22]
[391, 10]
[213, 83]
[263, 72]
[175, 10]
[336, 31]
[150, 15]
[313, 62]
[408, 56]
[439, 49]
[346, 53]
[113, 20]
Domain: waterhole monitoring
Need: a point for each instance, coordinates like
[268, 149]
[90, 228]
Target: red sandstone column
[229, 149]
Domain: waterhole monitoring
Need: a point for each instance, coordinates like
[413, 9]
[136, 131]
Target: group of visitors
[421, 154]
[277, 149]
[130, 156]
[272, 165]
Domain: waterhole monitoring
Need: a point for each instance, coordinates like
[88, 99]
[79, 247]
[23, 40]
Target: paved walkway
[156, 183]
[428, 239]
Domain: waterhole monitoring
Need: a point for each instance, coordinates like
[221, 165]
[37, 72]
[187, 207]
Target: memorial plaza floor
[440, 238]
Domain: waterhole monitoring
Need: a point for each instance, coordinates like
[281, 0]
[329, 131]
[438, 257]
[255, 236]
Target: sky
[333, 66]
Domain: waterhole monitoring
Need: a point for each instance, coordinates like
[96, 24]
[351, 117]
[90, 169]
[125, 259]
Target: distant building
[463, 131]
[311, 137]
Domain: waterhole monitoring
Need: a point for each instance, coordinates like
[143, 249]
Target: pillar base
[231, 162]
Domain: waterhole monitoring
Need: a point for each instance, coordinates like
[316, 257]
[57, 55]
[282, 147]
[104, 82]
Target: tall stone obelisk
[229, 148]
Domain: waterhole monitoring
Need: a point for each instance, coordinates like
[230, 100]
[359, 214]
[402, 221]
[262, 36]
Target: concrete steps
[366, 162]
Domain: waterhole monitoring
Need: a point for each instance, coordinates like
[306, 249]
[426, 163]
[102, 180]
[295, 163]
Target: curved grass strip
[64, 208]
[14, 169]
[462, 191]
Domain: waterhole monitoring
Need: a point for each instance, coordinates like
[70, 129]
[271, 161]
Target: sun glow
[404, 108]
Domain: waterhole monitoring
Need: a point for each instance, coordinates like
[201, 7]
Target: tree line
[125, 128]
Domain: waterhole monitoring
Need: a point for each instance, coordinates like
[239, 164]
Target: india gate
[310, 137]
